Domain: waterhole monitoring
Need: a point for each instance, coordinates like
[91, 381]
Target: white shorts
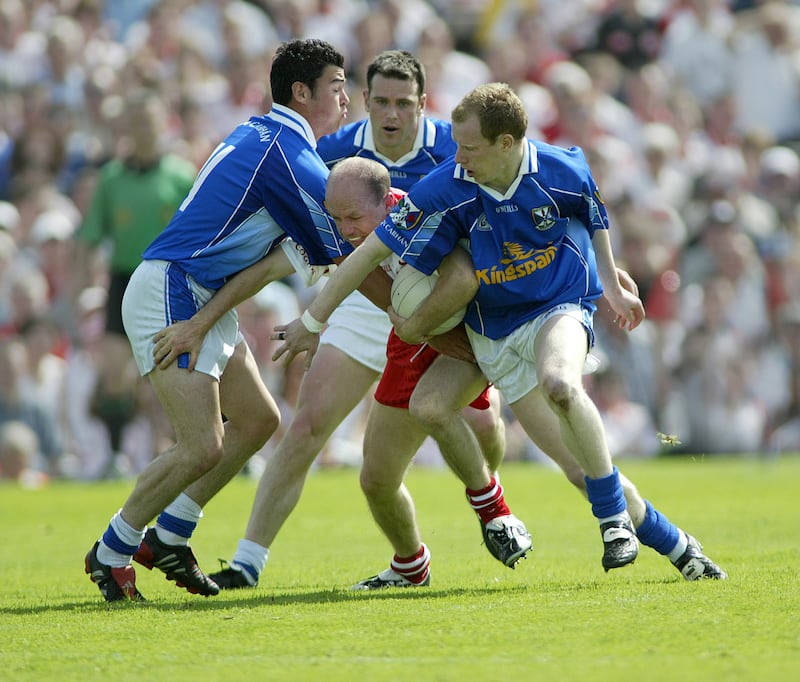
[160, 293]
[510, 363]
[359, 329]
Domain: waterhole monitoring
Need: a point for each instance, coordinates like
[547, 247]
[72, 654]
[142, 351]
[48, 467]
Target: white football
[410, 288]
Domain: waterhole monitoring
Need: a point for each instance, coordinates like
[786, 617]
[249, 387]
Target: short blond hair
[499, 110]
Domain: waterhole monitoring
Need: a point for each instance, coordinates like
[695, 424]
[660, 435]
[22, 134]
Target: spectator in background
[695, 48]
[54, 135]
[783, 384]
[451, 73]
[765, 52]
[628, 424]
[137, 193]
[630, 33]
[19, 451]
[17, 407]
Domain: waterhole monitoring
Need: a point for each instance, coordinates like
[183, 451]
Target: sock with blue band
[251, 559]
[177, 522]
[119, 543]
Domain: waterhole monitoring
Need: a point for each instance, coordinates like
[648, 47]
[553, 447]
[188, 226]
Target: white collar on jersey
[289, 117]
[426, 136]
[530, 164]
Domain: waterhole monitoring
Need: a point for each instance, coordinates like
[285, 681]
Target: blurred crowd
[688, 111]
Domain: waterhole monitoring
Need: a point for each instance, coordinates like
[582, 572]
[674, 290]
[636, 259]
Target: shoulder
[560, 162]
[552, 154]
[342, 142]
[441, 126]
[441, 188]
[438, 136]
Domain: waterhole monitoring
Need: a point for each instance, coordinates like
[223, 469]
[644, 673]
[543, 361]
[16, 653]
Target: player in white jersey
[538, 233]
[263, 182]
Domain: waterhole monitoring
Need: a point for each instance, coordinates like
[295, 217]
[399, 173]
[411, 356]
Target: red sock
[488, 502]
[414, 568]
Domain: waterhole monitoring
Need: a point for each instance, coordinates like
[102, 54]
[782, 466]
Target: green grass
[557, 616]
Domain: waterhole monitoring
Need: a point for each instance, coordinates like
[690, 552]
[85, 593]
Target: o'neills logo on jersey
[543, 217]
[406, 215]
[517, 263]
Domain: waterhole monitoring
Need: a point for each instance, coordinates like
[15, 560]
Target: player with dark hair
[538, 233]
[264, 181]
[396, 132]
[352, 348]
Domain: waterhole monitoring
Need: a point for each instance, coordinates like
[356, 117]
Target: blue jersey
[432, 145]
[531, 247]
[265, 180]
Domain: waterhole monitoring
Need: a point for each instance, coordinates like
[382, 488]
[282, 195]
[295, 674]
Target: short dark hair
[303, 61]
[397, 64]
[499, 110]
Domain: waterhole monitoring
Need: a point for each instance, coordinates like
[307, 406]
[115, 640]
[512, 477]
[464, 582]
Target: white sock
[184, 508]
[127, 534]
[250, 558]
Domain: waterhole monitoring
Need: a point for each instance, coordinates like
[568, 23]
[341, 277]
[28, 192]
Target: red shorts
[405, 365]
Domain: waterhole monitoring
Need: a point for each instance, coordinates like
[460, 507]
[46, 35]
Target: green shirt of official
[131, 205]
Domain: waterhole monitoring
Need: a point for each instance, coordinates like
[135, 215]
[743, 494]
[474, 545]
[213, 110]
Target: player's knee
[257, 426]
[264, 427]
[485, 424]
[310, 428]
[368, 482]
[427, 410]
[205, 452]
[561, 394]
[374, 483]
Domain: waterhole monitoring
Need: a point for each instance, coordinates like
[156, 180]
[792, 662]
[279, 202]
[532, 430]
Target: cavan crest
[405, 216]
[543, 217]
[483, 224]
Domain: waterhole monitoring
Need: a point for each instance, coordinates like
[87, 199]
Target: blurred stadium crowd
[688, 110]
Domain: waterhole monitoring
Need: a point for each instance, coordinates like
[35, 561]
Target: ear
[365, 92]
[507, 141]
[301, 92]
[423, 100]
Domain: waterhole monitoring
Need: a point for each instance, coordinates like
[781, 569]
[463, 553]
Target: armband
[311, 323]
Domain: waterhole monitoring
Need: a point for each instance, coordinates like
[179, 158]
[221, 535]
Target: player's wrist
[311, 323]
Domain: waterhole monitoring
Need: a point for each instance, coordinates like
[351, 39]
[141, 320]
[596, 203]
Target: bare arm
[345, 279]
[187, 336]
[350, 274]
[626, 304]
[455, 288]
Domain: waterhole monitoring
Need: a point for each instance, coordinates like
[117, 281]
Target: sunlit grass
[557, 616]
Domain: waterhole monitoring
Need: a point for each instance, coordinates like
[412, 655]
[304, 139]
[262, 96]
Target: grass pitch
[557, 616]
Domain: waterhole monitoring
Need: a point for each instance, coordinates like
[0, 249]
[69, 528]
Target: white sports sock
[127, 534]
[250, 556]
[185, 508]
